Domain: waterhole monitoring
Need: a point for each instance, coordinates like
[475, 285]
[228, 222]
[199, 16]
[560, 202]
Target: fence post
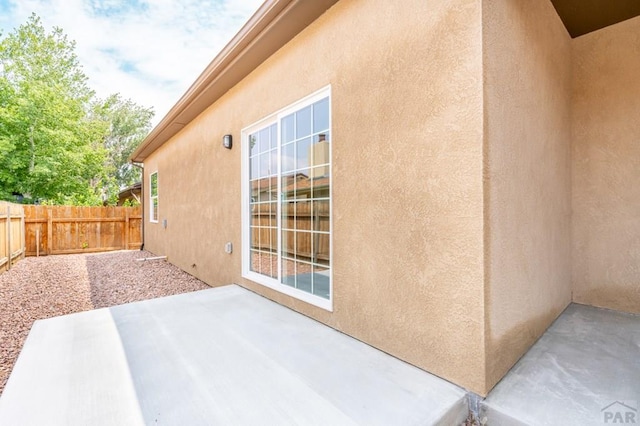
[9, 253]
[23, 229]
[3, 244]
[49, 232]
[126, 229]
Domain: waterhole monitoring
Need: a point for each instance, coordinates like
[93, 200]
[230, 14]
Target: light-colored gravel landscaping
[44, 287]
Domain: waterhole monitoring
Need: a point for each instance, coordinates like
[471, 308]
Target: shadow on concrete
[584, 370]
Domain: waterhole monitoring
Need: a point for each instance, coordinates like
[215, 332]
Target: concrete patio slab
[217, 356]
[585, 370]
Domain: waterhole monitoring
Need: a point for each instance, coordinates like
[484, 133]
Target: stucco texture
[606, 167]
[527, 131]
[407, 163]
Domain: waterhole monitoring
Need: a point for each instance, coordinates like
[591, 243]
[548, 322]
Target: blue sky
[147, 50]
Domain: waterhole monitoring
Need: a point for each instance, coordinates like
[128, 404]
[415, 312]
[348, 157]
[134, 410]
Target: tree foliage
[128, 124]
[57, 142]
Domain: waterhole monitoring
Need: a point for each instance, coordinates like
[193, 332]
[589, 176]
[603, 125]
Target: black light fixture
[227, 141]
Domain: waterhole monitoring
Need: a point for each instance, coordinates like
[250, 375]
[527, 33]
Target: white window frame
[274, 283]
[152, 197]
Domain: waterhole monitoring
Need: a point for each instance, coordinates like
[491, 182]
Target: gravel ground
[44, 287]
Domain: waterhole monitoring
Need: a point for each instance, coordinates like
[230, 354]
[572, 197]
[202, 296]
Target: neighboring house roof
[274, 24]
[131, 193]
[271, 183]
[264, 184]
[305, 185]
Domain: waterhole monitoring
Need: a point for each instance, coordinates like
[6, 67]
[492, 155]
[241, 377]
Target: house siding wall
[407, 161]
[606, 167]
[527, 107]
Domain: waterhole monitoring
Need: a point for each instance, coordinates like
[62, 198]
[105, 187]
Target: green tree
[51, 147]
[128, 124]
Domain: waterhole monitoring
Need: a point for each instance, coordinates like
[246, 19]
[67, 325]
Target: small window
[153, 199]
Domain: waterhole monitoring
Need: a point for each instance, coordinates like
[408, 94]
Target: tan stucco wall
[407, 177]
[606, 167]
[527, 75]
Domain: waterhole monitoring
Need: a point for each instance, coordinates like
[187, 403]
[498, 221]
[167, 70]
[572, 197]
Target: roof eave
[274, 24]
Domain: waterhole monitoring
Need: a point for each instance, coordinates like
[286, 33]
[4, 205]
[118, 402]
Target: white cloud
[147, 50]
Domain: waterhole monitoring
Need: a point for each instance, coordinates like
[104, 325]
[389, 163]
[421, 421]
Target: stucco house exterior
[436, 178]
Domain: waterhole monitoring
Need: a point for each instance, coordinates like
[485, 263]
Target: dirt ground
[44, 287]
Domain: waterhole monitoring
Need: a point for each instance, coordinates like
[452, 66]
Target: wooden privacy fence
[12, 235]
[309, 237]
[66, 230]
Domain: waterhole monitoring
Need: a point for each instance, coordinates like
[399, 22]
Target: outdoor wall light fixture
[227, 141]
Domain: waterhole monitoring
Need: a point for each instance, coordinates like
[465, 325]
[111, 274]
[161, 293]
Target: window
[153, 197]
[287, 200]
